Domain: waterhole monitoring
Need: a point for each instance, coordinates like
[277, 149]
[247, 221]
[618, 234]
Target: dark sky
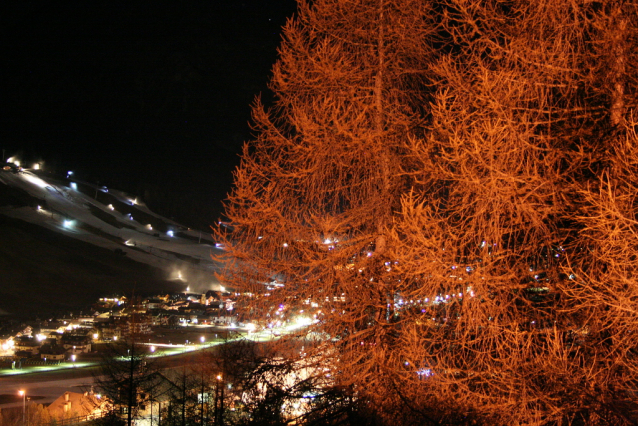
[152, 97]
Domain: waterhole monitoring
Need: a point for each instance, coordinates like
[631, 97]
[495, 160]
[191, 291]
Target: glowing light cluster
[8, 344]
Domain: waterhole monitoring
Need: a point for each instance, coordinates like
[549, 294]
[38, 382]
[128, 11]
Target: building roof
[48, 349]
[80, 404]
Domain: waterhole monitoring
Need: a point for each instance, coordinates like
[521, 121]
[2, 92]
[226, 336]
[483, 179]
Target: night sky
[149, 97]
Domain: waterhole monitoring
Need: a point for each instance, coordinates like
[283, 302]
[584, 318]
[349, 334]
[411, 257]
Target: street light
[219, 401]
[23, 394]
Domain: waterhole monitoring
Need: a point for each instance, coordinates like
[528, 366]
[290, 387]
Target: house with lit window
[75, 344]
[52, 352]
[26, 346]
[136, 324]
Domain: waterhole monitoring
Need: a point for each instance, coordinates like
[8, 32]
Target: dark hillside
[16, 197]
[43, 272]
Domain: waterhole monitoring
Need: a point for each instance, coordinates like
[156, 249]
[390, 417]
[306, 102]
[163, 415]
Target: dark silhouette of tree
[124, 375]
[183, 405]
[205, 388]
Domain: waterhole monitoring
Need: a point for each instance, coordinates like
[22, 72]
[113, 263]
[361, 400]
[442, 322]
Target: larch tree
[478, 239]
[318, 188]
[526, 102]
[603, 263]
[452, 182]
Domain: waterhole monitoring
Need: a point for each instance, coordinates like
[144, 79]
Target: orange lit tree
[519, 228]
[522, 110]
[319, 188]
[603, 264]
[426, 179]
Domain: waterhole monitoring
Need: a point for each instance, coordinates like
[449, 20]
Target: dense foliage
[452, 183]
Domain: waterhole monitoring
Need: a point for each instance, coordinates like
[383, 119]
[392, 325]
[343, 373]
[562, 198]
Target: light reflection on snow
[33, 179]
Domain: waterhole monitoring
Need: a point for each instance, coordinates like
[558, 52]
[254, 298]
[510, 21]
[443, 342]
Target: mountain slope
[43, 271]
[62, 247]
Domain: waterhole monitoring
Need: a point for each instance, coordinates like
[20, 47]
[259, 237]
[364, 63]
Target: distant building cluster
[59, 339]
